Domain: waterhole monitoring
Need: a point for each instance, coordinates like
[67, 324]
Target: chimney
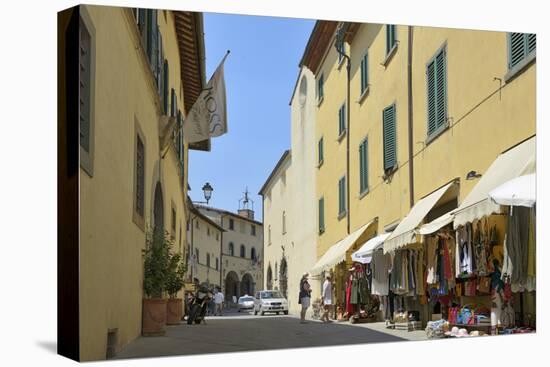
[247, 213]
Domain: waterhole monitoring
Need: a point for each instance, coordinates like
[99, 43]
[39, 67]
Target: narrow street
[236, 332]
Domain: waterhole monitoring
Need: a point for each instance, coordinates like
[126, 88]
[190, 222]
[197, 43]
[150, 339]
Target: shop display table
[483, 327]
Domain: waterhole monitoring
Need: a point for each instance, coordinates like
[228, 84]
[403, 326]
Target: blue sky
[260, 74]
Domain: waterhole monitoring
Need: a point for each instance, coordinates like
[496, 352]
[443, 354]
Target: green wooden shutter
[441, 89]
[364, 72]
[321, 215]
[320, 151]
[153, 56]
[320, 87]
[84, 91]
[363, 166]
[390, 138]
[531, 42]
[342, 119]
[160, 66]
[390, 37]
[516, 48]
[165, 91]
[436, 77]
[430, 76]
[142, 25]
[342, 195]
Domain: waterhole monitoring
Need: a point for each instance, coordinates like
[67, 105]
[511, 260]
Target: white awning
[405, 231]
[337, 252]
[515, 162]
[364, 254]
[519, 191]
[436, 224]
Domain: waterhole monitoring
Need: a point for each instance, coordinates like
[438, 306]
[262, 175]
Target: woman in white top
[327, 299]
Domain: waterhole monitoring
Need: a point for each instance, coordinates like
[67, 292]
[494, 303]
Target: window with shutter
[436, 77]
[165, 85]
[363, 167]
[364, 73]
[341, 196]
[159, 63]
[390, 37]
[85, 81]
[390, 138]
[321, 215]
[320, 87]
[154, 38]
[139, 178]
[342, 120]
[320, 151]
[172, 102]
[520, 45]
[142, 26]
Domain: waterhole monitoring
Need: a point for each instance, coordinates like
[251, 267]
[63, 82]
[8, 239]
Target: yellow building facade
[133, 171]
[486, 107]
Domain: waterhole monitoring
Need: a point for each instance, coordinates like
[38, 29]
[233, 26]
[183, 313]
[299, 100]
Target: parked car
[245, 303]
[270, 301]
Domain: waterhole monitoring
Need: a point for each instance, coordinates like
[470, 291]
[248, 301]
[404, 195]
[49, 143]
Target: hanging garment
[431, 254]
[531, 252]
[349, 306]
[420, 277]
[517, 239]
[479, 251]
[364, 295]
[380, 271]
[354, 298]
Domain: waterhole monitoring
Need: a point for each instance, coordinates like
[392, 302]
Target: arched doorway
[269, 278]
[231, 287]
[283, 277]
[158, 209]
[247, 285]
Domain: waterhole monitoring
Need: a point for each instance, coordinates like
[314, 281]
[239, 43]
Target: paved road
[237, 332]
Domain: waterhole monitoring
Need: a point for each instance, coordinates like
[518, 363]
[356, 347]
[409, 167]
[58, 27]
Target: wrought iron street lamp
[207, 189]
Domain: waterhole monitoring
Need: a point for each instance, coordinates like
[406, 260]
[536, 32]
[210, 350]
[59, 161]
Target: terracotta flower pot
[174, 311]
[154, 317]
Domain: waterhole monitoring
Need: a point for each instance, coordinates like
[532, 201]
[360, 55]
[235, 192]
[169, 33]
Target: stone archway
[269, 278]
[283, 277]
[158, 209]
[247, 285]
[232, 287]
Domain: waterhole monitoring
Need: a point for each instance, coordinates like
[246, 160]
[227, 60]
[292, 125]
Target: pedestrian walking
[211, 305]
[218, 301]
[327, 299]
[304, 297]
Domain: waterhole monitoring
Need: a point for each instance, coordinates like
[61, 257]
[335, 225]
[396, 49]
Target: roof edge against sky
[227, 212]
[286, 154]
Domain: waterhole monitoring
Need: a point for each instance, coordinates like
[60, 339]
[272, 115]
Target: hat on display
[462, 333]
[453, 332]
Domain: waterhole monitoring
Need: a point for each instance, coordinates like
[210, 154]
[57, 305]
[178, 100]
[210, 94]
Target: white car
[246, 302]
[270, 301]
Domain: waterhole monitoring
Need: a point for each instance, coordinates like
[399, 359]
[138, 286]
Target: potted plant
[177, 268]
[156, 259]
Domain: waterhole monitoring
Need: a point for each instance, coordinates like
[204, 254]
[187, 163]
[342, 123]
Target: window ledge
[341, 136]
[364, 94]
[439, 131]
[388, 174]
[389, 55]
[364, 193]
[342, 214]
[520, 68]
[320, 101]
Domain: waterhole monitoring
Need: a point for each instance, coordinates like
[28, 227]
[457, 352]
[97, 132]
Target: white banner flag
[208, 116]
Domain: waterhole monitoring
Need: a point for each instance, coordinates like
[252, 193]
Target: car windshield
[271, 294]
[246, 299]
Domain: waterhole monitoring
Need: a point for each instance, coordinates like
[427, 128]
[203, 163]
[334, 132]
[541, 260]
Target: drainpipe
[410, 111]
[343, 28]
